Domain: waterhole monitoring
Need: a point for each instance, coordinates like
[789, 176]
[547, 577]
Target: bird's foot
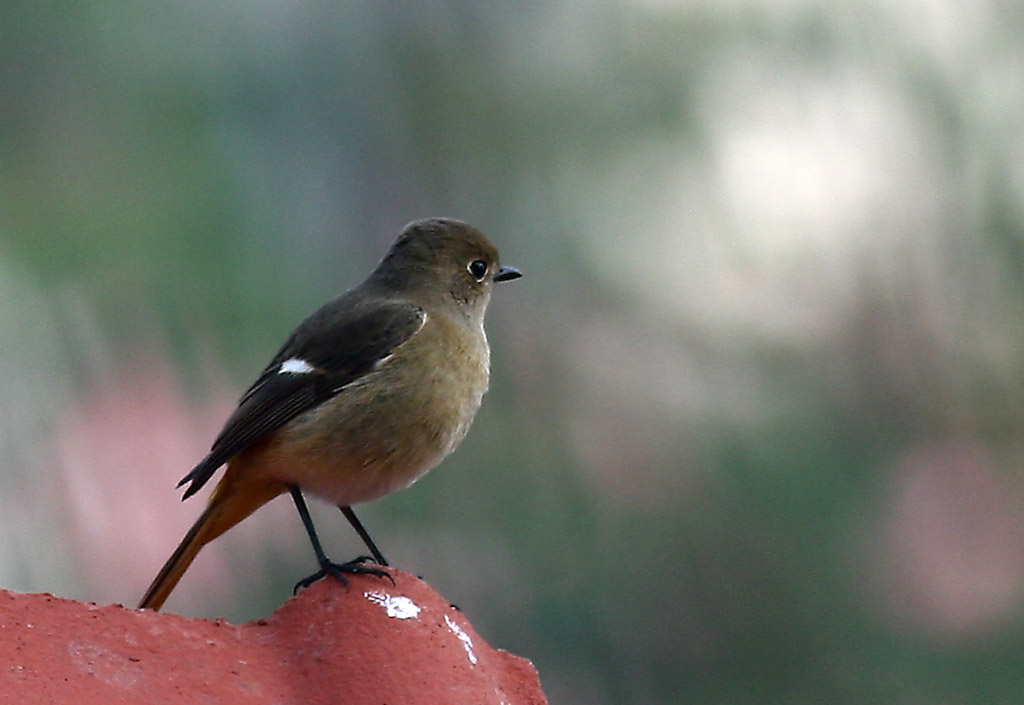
[356, 566]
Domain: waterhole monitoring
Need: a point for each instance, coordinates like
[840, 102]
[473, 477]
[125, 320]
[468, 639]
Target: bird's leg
[363, 534]
[327, 567]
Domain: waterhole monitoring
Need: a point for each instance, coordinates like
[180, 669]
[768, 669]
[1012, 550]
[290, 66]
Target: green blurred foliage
[755, 427]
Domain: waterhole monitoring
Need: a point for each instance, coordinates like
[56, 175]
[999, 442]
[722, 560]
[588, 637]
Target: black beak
[507, 274]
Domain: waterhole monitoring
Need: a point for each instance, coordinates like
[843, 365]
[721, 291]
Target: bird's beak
[506, 274]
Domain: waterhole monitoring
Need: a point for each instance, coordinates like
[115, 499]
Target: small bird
[370, 392]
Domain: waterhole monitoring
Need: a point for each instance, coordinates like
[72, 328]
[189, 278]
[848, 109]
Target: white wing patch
[296, 366]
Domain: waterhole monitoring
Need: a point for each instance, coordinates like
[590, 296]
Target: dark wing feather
[341, 343]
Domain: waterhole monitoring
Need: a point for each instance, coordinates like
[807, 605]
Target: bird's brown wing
[334, 347]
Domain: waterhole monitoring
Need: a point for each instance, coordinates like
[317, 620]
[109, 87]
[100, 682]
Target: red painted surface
[328, 645]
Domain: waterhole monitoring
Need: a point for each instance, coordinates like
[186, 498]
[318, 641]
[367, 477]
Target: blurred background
[756, 426]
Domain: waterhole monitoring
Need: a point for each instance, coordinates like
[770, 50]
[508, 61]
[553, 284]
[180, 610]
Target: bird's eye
[478, 268]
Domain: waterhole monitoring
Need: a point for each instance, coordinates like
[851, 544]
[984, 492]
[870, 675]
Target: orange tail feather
[231, 502]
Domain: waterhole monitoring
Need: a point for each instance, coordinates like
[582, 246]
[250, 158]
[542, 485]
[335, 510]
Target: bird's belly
[358, 470]
[345, 481]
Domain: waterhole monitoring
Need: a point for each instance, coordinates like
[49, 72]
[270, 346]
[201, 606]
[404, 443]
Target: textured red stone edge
[373, 643]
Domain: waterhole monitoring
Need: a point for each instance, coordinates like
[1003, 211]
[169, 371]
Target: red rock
[375, 643]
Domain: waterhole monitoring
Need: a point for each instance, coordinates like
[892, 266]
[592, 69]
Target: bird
[370, 392]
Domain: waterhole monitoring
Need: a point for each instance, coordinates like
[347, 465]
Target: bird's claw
[356, 566]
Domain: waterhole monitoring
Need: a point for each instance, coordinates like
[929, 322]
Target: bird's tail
[232, 501]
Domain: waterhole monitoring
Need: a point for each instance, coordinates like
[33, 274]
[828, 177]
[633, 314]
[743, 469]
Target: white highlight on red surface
[399, 607]
[466, 639]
